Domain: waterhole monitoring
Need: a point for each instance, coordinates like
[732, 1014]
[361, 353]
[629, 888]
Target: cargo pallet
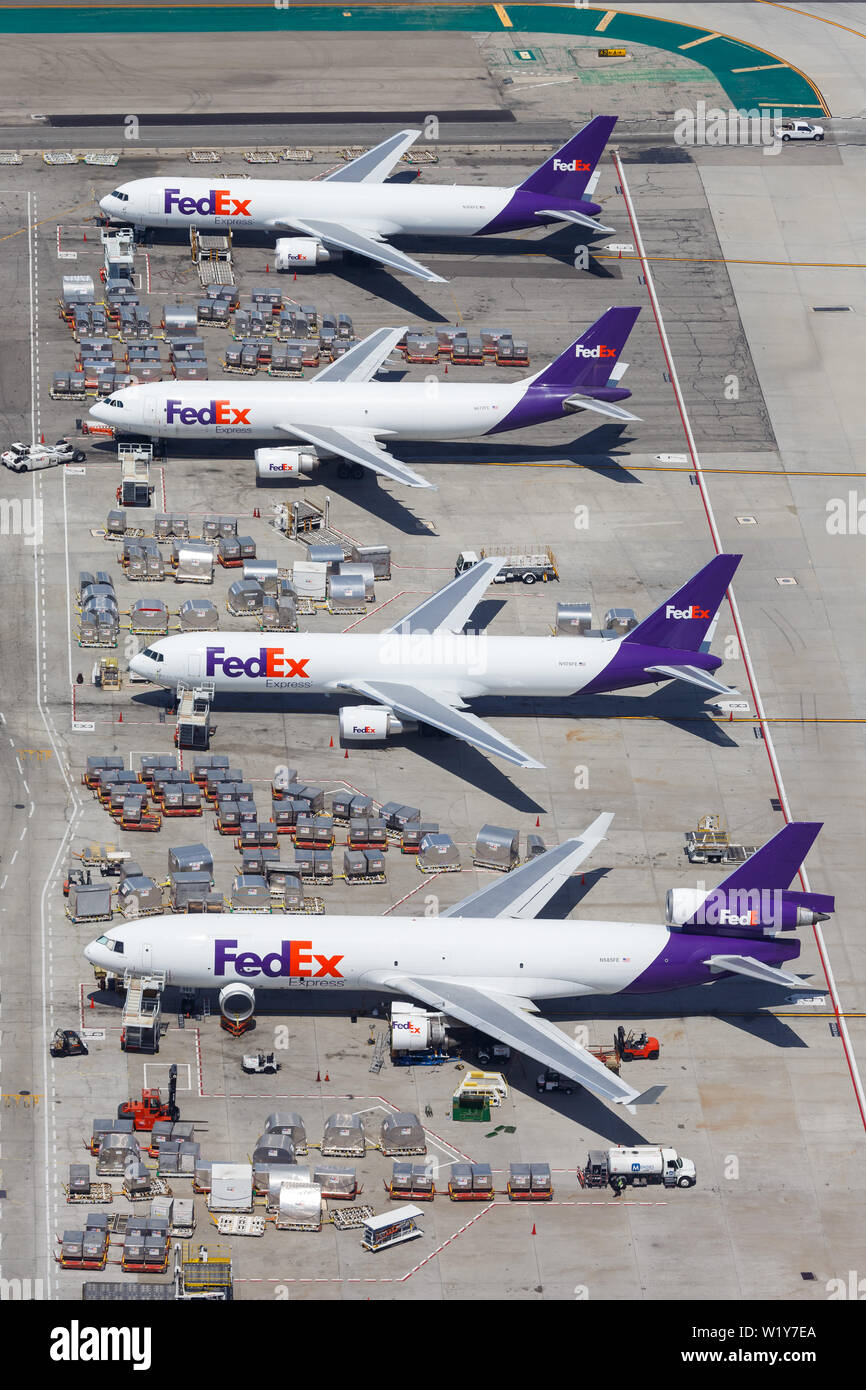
[363, 878]
[324, 880]
[158, 1188]
[104, 917]
[312, 906]
[437, 868]
[350, 1218]
[236, 1225]
[339, 1153]
[296, 1226]
[99, 1192]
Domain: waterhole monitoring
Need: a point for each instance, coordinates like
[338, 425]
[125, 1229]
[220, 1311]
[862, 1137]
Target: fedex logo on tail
[294, 960]
[214, 413]
[601, 350]
[571, 166]
[217, 202]
[693, 611]
[269, 661]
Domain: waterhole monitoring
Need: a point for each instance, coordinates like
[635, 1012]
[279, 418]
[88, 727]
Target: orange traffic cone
[327, 1077]
[331, 744]
[85, 236]
[42, 439]
[318, 1076]
[267, 268]
[532, 1232]
[537, 822]
[120, 717]
[92, 1004]
[346, 754]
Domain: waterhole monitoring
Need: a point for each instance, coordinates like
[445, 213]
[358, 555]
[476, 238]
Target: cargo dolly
[350, 1218]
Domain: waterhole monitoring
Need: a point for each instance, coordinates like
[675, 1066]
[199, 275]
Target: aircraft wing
[376, 164]
[428, 704]
[362, 362]
[755, 970]
[580, 219]
[347, 237]
[361, 446]
[449, 609]
[525, 891]
[608, 408]
[506, 1019]
[693, 675]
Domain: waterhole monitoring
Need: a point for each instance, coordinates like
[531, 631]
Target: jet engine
[371, 724]
[237, 1003]
[745, 911]
[302, 252]
[274, 464]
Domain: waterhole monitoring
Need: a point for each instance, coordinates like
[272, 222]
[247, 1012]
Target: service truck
[519, 565]
[646, 1163]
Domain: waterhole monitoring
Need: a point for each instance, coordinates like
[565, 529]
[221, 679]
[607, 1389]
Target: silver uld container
[300, 1206]
[482, 1177]
[620, 620]
[289, 1123]
[194, 561]
[335, 1180]
[344, 1132]
[402, 1130]
[461, 1177]
[365, 572]
[498, 846]
[330, 555]
[266, 572]
[354, 863]
[273, 1148]
[540, 1176]
[346, 591]
[186, 858]
[245, 596]
[197, 614]
[519, 1177]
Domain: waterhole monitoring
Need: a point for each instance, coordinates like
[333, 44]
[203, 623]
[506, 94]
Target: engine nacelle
[745, 911]
[371, 724]
[237, 1003]
[302, 253]
[414, 1029]
[274, 464]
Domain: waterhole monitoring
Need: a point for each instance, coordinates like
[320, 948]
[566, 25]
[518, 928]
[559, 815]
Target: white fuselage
[473, 664]
[530, 959]
[240, 409]
[276, 206]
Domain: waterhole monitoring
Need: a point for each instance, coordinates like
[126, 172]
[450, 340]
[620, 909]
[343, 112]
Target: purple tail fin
[588, 363]
[566, 173]
[682, 622]
[775, 863]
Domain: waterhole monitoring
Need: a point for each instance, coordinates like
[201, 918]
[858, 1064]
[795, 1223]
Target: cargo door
[195, 666]
[155, 208]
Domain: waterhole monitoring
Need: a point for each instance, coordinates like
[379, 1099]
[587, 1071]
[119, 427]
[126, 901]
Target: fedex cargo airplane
[425, 668]
[482, 964]
[342, 412]
[354, 210]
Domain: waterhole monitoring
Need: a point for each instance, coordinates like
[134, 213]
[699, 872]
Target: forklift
[67, 1043]
[631, 1046]
[75, 877]
[152, 1107]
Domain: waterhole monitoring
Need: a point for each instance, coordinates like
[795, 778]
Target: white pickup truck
[798, 130]
[26, 458]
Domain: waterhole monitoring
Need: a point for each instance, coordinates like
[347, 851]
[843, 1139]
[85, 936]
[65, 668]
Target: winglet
[647, 1097]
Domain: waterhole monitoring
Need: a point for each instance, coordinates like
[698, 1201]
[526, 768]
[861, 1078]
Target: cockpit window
[115, 401]
[112, 945]
[121, 197]
[153, 654]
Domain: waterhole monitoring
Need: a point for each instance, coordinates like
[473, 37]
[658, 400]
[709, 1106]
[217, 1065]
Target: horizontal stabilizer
[755, 970]
[693, 675]
[608, 408]
[580, 219]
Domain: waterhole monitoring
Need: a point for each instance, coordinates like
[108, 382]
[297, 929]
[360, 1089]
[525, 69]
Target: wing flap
[362, 362]
[374, 165]
[501, 1017]
[693, 675]
[525, 891]
[361, 446]
[428, 705]
[450, 608]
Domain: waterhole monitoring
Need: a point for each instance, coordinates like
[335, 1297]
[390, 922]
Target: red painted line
[717, 543]
[379, 606]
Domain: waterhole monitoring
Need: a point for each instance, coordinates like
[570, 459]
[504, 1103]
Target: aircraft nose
[100, 412]
[139, 665]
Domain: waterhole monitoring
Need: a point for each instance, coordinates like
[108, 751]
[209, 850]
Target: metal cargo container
[228, 550]
[574, 619]
[184, 858]
[402, 1133]
[519, 1177]
[341, 803]
[309, 580]
[231, 1186]
[438, 852]
[482, 1177]
[300, 1208]
[620, 620]
[375, 862]
[496, 847]
[79, 1179]
[461, 1177]
[293, 894]
[335, 1180]
[346, 592]
[540, 1177]
[148, 615]
[194, 561]
[314, 797]
[330, 555]
[354, 863]
[323, 866]
[534, 846]
[365, 572]
[265, 572]
[179, 319]
[245, 596]
[116, 1150]
[197, 614]
[153, 762]
[343, 1136]
[187, 890]
[203, 763]
[136, 1179]
[250, 893]
[289, 1123]
[139, 895]
[269, 1180]
[90, 902]
[273, 1149]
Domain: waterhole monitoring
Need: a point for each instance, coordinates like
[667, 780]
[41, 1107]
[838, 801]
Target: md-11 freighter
[353, 210]
[343, 412]
[485, 962]
[425, 668]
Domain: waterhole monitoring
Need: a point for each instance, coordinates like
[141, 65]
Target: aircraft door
[146, 955]
[195, 666]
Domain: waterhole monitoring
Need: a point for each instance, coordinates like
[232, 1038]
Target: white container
[309, 579]
[231, 1187]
